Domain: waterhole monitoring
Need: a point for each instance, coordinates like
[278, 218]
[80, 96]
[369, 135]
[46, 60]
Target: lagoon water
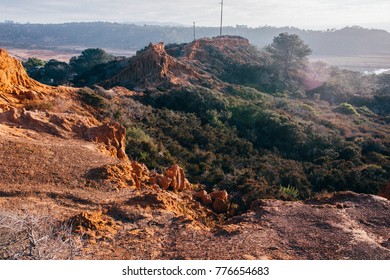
[377, 71]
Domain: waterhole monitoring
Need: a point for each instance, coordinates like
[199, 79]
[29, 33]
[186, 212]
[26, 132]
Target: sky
[306, 14]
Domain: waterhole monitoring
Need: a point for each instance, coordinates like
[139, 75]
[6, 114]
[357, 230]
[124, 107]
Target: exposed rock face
[68, 125]
[162, 181]
[178, 181]
[15, 84]
[153, 67]
[220, 206]
[112, 134]
[137, 175]
[37, 170]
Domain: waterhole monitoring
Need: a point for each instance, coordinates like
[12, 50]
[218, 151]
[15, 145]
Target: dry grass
[36, 237]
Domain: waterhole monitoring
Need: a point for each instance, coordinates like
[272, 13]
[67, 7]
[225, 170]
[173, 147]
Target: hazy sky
[309, 14]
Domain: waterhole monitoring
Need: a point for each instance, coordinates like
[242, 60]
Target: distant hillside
[346, 41]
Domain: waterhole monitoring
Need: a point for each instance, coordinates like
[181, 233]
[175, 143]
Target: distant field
[24, 54]
[61, 55]
[356, 63]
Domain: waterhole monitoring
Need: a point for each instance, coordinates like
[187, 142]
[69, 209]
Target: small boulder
[163, 182]
[178, 180]
[220, 206]
[204, 197]
[223, 195]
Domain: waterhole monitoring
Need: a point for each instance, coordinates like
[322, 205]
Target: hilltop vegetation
[248, 123]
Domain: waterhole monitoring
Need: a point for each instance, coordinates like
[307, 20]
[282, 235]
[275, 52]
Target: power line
[220, 29]
[194, 31]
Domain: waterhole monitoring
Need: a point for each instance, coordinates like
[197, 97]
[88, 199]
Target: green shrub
[365, 111]
[289, 192]
[89, 97]
[346, 109]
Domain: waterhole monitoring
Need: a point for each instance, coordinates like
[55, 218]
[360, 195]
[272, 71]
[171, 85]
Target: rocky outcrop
[68, 125]
[178, 181]
[137, 175]
[196, 63]
[204, 197]
[113, 135]
[153, 68]
[219, 200]
[15, 85]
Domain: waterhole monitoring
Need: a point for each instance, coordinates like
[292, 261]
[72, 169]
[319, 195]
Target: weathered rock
[67, 125]
[116, 175]
[204, 197]
[220, 206]
[139, 169]
[15, 85]
[206, 200]
[223, 195]
[153, 67]
[112, 134]
[163, 181]
[93, 225]
[199, 194]
[178, 180]
[36, 121]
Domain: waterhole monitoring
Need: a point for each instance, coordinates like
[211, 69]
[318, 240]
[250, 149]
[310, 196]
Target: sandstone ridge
[153, 68]
[15, 84]
[201, 62]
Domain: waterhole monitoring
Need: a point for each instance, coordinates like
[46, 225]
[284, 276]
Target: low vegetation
[36, 237]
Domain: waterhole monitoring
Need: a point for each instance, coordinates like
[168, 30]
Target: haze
[308, 14]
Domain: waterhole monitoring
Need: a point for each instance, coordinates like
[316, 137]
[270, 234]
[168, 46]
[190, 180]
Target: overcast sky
[308, 14]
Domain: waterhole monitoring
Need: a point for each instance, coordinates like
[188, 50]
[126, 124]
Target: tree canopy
[88, 59]
[289, 53]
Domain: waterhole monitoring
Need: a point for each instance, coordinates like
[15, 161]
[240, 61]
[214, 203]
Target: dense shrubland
[254, 144]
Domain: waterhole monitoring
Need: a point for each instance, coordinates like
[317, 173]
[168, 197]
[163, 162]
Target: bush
[39, 105]
[89, 97]
[346, 109]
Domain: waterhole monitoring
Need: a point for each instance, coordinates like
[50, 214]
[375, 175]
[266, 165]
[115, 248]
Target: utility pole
[194, 31]
[220, 29]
